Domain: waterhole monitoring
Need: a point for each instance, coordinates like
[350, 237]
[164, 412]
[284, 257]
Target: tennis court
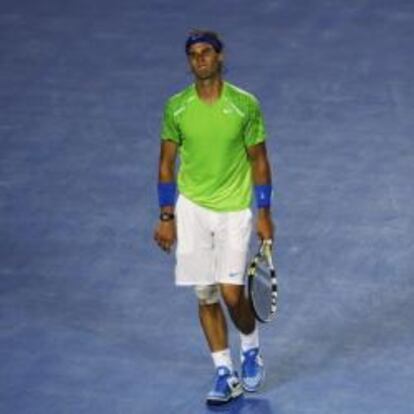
[90, 321]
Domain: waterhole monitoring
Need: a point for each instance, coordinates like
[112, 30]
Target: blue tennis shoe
[252, 369]
[226, 387]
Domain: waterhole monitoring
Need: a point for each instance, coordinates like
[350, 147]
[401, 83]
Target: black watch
[167, 216]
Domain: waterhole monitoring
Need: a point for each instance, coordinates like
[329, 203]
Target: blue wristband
[166, 194]
[263, 195]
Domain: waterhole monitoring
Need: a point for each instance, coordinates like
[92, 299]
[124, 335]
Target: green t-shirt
[214, 170]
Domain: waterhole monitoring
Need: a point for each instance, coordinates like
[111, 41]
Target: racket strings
[263, 286]
[262, 290]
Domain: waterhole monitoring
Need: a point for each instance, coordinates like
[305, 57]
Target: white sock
[222, 359]
[251, 340]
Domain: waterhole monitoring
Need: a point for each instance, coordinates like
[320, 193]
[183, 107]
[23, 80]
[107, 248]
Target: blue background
[90, 321]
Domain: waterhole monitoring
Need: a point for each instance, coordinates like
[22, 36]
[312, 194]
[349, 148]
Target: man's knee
[207, 295]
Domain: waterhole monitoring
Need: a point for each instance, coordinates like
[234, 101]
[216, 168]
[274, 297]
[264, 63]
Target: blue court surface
[90, 320]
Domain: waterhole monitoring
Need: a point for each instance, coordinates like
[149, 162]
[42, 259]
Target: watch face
[166, 216]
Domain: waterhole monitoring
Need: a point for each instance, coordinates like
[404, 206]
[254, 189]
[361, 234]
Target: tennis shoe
[252, 369]
[226, 387]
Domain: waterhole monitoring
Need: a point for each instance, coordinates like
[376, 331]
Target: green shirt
[214, 170]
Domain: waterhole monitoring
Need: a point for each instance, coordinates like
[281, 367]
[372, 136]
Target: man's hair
[201, 35]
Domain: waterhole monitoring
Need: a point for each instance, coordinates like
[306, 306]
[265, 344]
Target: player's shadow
[243, 405]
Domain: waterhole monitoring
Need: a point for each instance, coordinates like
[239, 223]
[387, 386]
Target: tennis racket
[262, 284]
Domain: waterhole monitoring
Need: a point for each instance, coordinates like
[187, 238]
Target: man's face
[205, 62]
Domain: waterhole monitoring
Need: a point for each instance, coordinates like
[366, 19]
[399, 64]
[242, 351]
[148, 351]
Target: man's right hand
[165, 234]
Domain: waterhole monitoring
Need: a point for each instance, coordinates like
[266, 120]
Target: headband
[203, 38]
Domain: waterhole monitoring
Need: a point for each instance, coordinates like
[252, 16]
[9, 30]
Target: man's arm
[165, 231]
[262, 175]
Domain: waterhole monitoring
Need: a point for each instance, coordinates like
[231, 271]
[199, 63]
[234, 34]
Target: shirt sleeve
[255, 131]
[170, 130]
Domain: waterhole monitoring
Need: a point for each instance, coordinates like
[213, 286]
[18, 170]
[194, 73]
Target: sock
[251, 340]
[222, 359]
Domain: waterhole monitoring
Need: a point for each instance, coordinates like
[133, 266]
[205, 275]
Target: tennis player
[217, 130]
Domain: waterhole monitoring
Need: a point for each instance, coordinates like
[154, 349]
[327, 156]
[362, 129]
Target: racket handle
[266, 246]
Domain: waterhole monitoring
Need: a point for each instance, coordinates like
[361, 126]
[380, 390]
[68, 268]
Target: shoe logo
[234, 274]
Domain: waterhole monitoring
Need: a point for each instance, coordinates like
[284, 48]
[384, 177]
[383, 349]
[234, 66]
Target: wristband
[263, 195]
[166, 194]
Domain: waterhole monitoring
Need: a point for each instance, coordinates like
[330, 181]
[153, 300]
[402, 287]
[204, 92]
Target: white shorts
[212, 247]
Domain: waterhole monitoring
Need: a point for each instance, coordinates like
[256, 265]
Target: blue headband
[203, 38]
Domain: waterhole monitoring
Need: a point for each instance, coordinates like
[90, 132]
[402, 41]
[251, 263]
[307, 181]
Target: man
[218, 131]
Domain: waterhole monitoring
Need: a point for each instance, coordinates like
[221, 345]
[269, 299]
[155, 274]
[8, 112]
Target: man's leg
[239, 307]
[243, 318]
[214, 324]
[212, 319]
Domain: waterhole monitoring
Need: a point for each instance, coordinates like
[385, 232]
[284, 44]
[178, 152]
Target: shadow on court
[244, 405]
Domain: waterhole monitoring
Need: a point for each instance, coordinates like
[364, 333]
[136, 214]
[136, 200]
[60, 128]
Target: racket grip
[266, 246]
[267, 243]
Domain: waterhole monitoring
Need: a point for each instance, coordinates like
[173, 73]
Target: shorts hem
[216, 282]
